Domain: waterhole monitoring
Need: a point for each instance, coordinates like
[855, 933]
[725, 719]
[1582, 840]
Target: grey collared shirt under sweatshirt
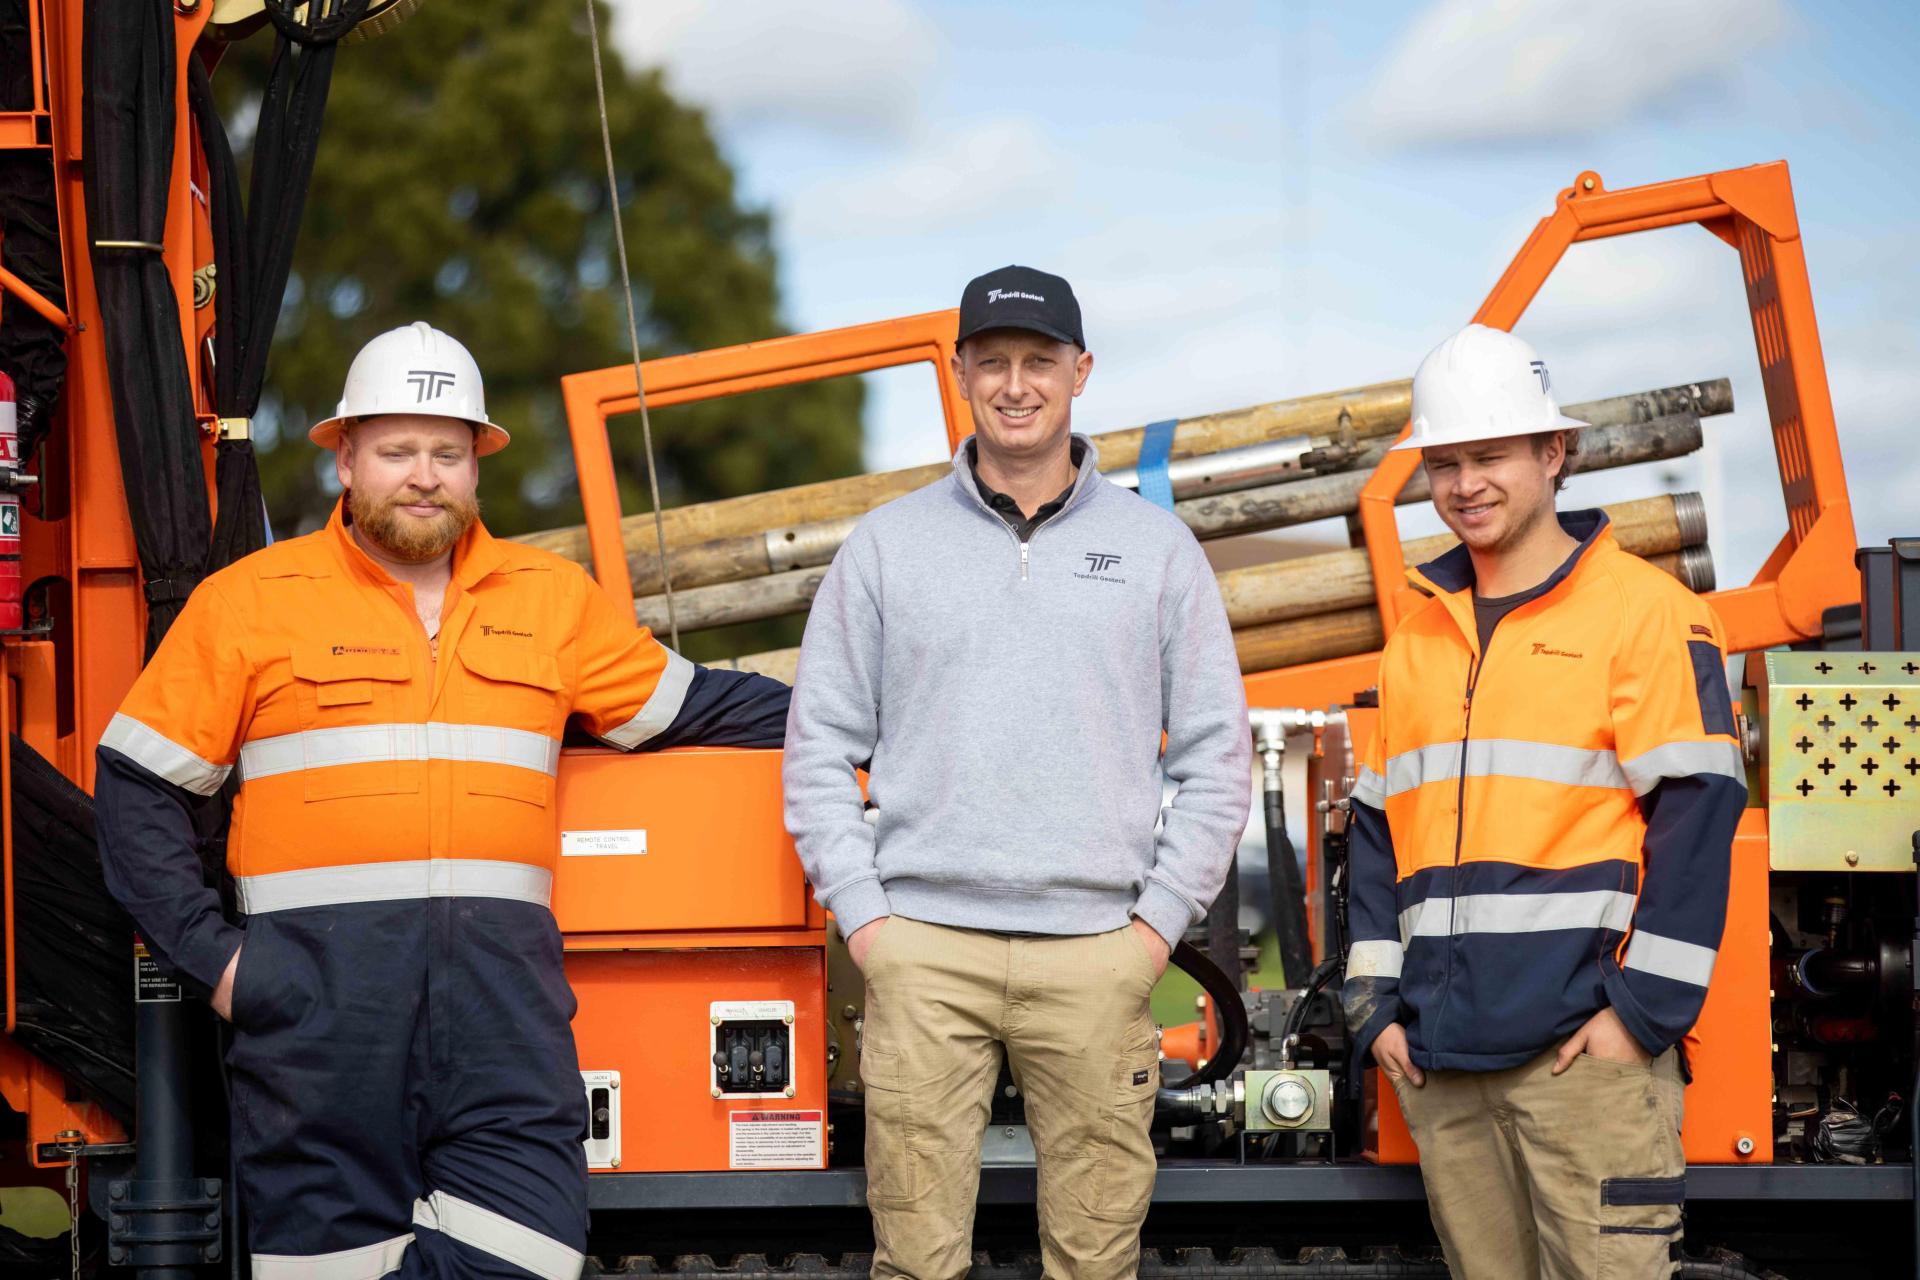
[1011, 697]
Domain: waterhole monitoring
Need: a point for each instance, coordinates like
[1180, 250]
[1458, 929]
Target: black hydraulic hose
[1288, 891]
[1231, 1009]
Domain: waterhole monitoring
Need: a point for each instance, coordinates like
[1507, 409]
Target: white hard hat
[415, 369]
[1482, 384]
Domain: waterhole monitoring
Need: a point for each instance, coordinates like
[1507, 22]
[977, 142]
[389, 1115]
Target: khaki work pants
[1578, 1176]
[1071, 1015]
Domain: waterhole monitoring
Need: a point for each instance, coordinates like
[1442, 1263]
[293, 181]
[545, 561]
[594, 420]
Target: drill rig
[720, 1019]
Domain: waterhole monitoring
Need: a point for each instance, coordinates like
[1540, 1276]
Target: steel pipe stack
[1249, 470]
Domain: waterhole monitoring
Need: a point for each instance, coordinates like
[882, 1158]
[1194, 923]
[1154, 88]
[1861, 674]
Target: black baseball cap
[1021, 298]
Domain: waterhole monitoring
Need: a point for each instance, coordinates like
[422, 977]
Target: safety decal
[150, 984]
[776, 1140]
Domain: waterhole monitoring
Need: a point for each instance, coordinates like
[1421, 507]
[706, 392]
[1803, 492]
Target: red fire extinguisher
[10, 617]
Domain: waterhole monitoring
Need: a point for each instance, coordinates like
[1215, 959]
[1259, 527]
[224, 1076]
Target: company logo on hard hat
[1540, 367]
[428, 384]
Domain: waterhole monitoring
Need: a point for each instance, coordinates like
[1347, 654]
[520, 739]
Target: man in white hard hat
[393, 691]
[1540, 848]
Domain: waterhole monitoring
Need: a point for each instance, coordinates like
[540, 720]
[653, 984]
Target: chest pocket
[521, 692]
[352, 706]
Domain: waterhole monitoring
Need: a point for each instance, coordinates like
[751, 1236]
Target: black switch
[600, 1102]
[753, 1056]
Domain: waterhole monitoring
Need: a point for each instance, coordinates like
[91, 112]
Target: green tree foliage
[460, 180]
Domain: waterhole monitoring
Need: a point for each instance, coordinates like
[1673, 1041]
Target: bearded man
[393, 690]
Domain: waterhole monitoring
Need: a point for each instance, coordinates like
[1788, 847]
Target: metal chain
[73, 1211]
[633, 324]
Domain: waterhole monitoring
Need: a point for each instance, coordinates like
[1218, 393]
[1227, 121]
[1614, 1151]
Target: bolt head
[1743, 1145]
[788, 1019]
[117, 1191]
[613, 1084]
[614, 1163]
[1288, 1101]
[849, 1012]
[1853, 859]
[1587, 184]
[716, 1091]
[714, 1021]
[116, 1255]
[789, 1092]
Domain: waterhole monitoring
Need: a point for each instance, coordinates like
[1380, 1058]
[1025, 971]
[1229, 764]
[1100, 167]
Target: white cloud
[853, 67]
[996, 165]
[1469, 71]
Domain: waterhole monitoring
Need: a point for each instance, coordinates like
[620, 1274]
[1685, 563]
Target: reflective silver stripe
[369, 1262]
[501, 1236]
[1505, 758]
[162, 756]
[1410, 769]
[662, 706]
[1684, 760]
[1370, 788]
[1517, 913]
[394, 882]
[373, 743]
[1375, 959]
[1670, 958]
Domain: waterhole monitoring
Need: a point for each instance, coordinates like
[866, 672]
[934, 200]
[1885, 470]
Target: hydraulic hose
[1288, 891]
[1228, 1005]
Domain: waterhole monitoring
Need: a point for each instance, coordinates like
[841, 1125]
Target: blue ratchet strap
[1155, 445]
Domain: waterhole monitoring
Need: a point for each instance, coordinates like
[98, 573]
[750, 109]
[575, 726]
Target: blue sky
[1262, 200]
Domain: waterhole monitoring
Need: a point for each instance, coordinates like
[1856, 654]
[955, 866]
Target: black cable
[1289, 893]
[1297, 1015]
[1225, 994]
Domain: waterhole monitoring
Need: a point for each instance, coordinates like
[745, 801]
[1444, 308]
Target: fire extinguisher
[10, 616]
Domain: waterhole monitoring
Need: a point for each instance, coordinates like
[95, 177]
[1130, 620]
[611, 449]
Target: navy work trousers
[406, 1093]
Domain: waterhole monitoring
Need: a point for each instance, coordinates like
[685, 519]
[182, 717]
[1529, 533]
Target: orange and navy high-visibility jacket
[1545, 829]
[373, 764]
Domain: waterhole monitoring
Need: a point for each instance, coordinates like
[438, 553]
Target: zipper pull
[1023, 562]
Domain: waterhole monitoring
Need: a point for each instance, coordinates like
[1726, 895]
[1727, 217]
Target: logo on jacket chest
[489, 630]
[1542, 649]
[341, 650]
[1098, 562]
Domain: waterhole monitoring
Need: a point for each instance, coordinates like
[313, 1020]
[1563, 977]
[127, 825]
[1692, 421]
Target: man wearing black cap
[1003, 652]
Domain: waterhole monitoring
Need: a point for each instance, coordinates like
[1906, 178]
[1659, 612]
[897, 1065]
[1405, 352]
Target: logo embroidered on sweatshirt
[1541, 649]
[1098, 562]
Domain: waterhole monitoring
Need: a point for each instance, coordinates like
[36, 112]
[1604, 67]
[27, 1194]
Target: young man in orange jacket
[393, 690]
[1541, 842]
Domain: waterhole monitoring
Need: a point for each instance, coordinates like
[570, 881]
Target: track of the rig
[1180, 1264]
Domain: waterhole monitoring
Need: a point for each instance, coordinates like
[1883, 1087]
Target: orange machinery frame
[719, 906]
[63, 685]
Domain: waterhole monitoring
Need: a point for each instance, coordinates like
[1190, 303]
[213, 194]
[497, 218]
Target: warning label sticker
[776, 1140]
[150, 985]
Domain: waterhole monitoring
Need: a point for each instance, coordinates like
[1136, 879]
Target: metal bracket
[163, 1223]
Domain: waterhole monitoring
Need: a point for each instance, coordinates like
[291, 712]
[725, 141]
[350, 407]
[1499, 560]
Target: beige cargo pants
[1071, 1016]
[1578, 1176]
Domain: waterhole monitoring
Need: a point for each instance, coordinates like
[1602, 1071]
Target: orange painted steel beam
[593, 397]
[34, 299]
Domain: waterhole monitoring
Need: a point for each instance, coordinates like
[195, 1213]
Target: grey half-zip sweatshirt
[1011, 698]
